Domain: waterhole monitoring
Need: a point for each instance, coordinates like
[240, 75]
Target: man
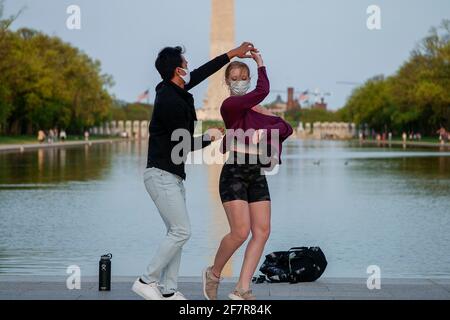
[174, 113]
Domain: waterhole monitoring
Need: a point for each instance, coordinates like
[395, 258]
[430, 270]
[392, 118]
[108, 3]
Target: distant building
[291, 103]
[320, 105]
[279, 107]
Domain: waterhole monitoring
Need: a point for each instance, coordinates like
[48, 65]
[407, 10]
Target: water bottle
[104, 273]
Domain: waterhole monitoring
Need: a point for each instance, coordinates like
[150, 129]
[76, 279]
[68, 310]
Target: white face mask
[239, 88]
[186, 78]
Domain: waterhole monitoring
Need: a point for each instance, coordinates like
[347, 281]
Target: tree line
[131, 111]
[46, 83]
[416, 98]
[311, 115]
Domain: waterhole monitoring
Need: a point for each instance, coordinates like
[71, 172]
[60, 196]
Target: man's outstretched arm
[211, 67]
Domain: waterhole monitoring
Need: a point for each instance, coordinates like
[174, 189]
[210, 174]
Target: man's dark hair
[168, 60]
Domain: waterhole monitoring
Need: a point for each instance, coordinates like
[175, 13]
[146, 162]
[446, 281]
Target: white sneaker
[147, 291]
[176, 296]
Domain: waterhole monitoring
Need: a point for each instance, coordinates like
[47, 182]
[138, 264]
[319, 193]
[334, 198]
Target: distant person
[404, 137]
[243, 187]
[443, 135]
[51, 136]
[55, 134]
[390, 136]
[41, 136]
[86, 135]
[63, 135]
[174, 112]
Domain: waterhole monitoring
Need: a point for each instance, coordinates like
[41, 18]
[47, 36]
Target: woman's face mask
[239, 88]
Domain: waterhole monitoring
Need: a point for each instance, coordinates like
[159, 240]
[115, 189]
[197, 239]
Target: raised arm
[238, 104]
[208, 69]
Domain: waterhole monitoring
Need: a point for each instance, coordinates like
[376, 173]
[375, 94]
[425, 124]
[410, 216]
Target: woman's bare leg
[260, 227]
[238, 214]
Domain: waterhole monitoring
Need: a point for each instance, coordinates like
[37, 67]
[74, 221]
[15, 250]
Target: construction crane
[304, 96]
[320, 95]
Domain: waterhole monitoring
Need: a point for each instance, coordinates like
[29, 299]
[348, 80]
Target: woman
[243, 188]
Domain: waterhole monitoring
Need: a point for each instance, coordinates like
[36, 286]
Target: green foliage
[132, 111]
[416, 98]
[294, 116]
[45, 82]
[5, 23]
[372, 103]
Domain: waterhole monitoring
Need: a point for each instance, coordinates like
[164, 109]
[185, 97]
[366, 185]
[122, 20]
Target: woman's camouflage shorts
[243, 182]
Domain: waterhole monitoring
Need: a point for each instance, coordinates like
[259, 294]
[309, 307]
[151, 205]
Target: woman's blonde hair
[236, 65]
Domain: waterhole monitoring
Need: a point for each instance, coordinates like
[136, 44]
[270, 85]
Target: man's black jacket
[174, 109]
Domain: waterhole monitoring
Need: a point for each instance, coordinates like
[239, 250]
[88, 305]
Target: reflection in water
[362, 204]
[56, 165]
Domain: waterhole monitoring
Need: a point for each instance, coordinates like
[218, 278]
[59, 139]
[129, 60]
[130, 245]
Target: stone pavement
[54, 288]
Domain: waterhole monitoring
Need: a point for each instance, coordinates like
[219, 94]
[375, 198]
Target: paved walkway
[31, 146]
[52, 288]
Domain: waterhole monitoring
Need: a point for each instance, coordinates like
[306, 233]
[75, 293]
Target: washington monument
[222, 39]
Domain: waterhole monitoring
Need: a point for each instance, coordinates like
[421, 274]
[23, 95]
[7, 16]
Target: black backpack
[299, 264]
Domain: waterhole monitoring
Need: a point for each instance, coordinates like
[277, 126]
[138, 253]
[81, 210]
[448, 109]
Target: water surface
[362, 205]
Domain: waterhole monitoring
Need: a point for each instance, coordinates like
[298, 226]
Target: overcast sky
[305, 44]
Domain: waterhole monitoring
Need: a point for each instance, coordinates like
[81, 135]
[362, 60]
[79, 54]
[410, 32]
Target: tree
[416, 98]
[6, 23]
[372, 104]
[5, 93]
[422, 86]
[45, 82]
[133, 111]
[311, 115]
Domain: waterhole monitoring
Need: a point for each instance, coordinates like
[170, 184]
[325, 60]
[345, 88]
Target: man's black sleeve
[175, 118]
[206, 70]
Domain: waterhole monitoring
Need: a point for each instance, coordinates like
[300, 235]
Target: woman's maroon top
[237, 114]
